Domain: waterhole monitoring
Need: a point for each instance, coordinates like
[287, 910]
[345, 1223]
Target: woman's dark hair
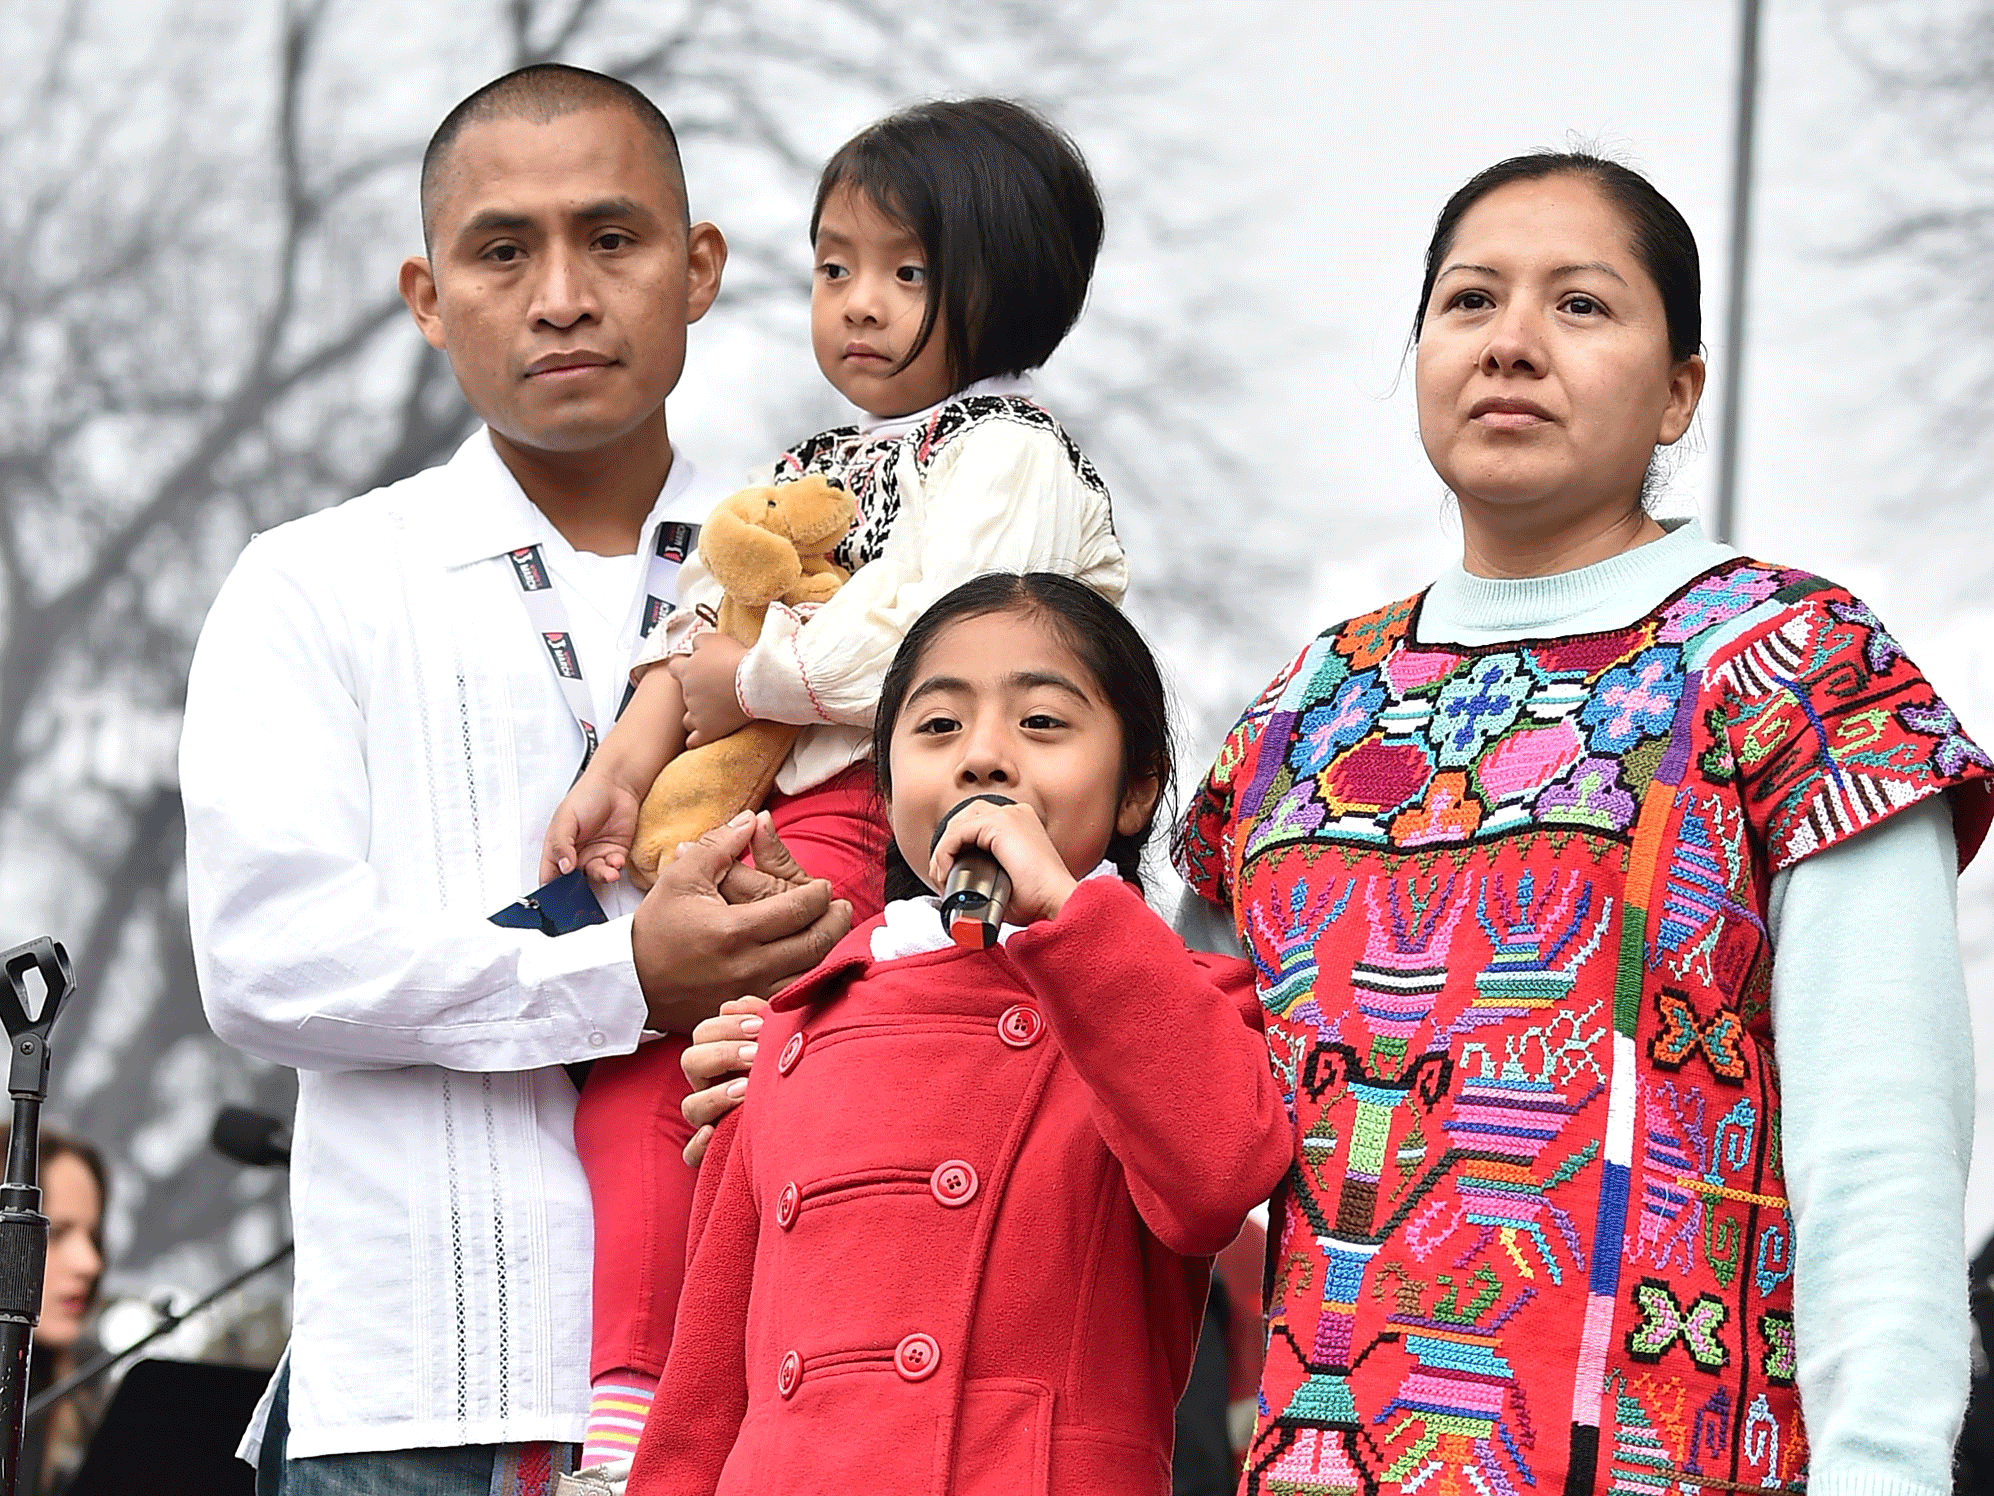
[1101, 638]
[52, 1145]
[1006, 214]
[1662, 240]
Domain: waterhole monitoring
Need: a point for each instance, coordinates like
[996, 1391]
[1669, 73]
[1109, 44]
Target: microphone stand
[103, 1361]
[23, 1227]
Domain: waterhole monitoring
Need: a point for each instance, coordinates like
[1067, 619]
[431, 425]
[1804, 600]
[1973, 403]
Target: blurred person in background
[72, 1183]
[1215, 1416]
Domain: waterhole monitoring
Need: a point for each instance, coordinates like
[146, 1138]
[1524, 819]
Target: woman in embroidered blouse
[1540, 870]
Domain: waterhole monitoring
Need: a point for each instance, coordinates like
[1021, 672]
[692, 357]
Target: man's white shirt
[375, 741]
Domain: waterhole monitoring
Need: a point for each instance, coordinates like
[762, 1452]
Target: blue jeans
[465, 1470]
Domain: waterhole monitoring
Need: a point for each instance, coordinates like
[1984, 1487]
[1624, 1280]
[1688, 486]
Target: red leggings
[628, 1126]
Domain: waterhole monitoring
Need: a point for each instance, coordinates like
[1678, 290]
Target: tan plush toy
[763, 546]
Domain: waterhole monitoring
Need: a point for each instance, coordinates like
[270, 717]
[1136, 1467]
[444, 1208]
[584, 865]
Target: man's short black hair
[539, 93]
[1007, 216]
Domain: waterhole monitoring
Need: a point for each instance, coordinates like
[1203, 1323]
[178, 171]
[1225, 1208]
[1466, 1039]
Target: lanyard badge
[671, 543]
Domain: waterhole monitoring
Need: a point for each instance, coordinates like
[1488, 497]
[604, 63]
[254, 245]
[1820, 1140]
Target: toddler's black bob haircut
[1006, 213]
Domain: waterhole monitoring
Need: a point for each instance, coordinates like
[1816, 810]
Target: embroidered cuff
[663, 644]
[771, 682]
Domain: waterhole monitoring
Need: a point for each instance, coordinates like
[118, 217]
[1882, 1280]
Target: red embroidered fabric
[1507, 908]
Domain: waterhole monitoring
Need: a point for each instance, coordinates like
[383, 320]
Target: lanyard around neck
[671, 543]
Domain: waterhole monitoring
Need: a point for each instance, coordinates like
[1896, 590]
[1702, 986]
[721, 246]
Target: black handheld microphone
[978, 888]
[255, 1139]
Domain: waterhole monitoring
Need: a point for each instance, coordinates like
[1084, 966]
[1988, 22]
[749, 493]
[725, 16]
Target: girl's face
[75, 1211]
[866, 304]
[1000, 705]
[1544, 372]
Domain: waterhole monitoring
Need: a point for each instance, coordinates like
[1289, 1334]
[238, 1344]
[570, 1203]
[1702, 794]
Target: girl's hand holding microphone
[1014, 836]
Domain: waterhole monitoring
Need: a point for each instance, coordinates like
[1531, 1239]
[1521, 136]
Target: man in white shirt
[375, 739]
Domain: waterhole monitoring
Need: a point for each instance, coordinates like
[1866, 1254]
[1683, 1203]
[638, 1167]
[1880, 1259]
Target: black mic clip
[977, 890]
[23, 1228]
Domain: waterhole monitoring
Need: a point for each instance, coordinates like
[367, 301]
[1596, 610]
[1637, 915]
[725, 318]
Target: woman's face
[1544, 372]
[75, 1211]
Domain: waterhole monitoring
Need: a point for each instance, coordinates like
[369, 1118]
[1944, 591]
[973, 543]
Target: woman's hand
[1016, 837]
[706, 677]
[716, 1062]
[592, 829]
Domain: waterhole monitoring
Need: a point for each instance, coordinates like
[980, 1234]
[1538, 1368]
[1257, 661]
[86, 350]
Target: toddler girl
[958, 1237]
[954, 245]
[955, 242]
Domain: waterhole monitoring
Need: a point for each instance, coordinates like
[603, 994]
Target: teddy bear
[763, 546]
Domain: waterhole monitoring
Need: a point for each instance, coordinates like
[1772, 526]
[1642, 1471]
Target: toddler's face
[867, 299]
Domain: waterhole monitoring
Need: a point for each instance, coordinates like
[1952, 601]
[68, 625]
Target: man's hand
[706, 677]
[716, 1063]
[710, 930]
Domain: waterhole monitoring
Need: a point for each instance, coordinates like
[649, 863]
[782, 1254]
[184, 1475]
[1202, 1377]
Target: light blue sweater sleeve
[1875, 1051]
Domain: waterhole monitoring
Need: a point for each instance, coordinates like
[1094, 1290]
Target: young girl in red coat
[958, 1238]
[953, 244]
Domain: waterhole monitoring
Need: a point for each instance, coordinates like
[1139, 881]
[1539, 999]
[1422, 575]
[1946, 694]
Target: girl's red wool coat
[958, 1240]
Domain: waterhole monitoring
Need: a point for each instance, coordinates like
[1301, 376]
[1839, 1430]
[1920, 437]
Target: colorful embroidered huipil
[1507, 904]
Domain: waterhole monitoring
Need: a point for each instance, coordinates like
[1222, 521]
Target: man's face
[562, 277]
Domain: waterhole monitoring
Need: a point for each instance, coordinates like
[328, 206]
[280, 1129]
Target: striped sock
[618, 1402]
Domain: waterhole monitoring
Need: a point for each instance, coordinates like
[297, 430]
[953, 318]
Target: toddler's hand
[706, 679]
[775, 869]
[592, 829]
[716, 1062]
[1016, 837]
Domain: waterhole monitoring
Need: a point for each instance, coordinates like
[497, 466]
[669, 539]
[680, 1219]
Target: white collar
[914, 926]
[997, 384]
[486, 513]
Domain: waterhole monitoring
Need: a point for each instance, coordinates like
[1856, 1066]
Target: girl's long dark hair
[1101, 638]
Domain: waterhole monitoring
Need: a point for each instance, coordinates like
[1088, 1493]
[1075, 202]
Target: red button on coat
[916, 1357]
[789, 1374]
[785, 1205]
[791, 1053]
[954, 1183]
[1020, 1026]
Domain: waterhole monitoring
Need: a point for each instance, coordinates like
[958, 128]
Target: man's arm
[302, 957]
[712, 928]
